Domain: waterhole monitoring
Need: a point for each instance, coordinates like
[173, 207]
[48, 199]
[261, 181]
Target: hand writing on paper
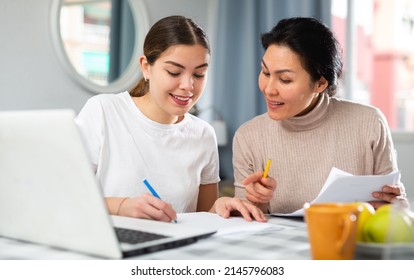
[147, 206]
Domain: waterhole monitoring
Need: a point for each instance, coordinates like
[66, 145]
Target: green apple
[388, 224]
[366, 210]
[385, 208]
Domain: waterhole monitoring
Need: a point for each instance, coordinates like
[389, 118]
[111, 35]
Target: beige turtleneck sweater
[336, 133]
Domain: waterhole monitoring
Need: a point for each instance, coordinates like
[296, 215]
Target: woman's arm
[207, 195]
[114, 204]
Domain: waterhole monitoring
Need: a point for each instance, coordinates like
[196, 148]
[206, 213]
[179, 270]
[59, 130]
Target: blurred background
[58, 53]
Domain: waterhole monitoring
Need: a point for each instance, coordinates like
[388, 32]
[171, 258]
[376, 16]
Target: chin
[275, 117]
[180, 112]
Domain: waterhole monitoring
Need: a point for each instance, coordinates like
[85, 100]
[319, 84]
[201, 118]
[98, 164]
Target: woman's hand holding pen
[259, 190]
[147, 206]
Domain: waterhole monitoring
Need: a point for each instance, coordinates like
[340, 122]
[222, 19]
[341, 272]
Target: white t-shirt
[125, 147]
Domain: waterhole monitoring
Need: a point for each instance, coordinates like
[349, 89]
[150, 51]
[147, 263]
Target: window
[379, 57]
[85, 28]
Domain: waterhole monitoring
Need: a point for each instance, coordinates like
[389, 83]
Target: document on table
[231, 225]
[344, 187]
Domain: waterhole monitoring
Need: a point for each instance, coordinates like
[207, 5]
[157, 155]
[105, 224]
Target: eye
[174, 74]
[267, 74]
[285, 81]
[199, 76]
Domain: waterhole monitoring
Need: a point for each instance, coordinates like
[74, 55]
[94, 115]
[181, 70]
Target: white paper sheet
[344, 187]
[223, 226]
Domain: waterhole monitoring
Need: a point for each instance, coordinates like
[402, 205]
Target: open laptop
[49, 195]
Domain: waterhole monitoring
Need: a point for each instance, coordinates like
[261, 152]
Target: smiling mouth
[181, 100]
[275, 103]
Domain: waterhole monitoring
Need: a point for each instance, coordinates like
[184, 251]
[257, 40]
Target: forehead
[277, 57]
[186, 54]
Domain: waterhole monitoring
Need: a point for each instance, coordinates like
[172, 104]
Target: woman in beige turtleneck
[306, 131]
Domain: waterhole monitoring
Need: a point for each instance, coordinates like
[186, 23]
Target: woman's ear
[143, 62]
[321, 85]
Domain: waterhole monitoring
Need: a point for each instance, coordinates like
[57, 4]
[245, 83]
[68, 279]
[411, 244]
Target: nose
[187, 83]
[270, 87]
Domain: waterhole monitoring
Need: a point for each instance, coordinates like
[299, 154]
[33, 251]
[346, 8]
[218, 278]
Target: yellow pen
[267, 168]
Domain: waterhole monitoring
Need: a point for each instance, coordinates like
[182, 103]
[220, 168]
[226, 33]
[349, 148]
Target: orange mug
[332, 229]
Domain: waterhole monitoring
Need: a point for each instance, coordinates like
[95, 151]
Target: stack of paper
[344, 187]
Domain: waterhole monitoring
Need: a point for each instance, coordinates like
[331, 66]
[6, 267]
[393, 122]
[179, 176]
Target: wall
[404, 144]
[31, 76]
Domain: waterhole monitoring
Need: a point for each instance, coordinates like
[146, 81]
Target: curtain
[237, 55]
[122, 38]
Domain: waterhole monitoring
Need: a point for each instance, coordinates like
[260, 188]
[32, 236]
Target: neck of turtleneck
[312, 119]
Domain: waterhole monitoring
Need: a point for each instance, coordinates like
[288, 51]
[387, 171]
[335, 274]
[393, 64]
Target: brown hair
[167, 32]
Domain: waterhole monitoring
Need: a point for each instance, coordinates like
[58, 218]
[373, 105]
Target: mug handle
[346, 233]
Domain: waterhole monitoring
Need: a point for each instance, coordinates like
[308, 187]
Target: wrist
[122, 200]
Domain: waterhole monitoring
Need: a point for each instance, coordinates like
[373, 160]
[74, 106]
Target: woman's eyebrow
[264, 64]
[279, 71]
[181, 66]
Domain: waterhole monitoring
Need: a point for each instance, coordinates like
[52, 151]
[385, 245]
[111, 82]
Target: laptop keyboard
[132, 236]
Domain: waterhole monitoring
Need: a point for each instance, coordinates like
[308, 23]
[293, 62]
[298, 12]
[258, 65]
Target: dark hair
[167, 32]
[317, 47]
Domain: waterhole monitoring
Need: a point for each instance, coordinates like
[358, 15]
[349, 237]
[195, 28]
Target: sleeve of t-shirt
[90, 121]
[210, 173]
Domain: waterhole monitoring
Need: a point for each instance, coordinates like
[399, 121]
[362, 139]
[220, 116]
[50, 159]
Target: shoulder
[197, 124]
[340, 103]
[356, 110]
[196, 129]
[255, 124]
[360, 118]
[105, 103]
[107, 98]
[102, 104]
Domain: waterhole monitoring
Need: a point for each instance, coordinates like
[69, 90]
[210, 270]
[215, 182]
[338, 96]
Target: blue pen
[154, 193]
